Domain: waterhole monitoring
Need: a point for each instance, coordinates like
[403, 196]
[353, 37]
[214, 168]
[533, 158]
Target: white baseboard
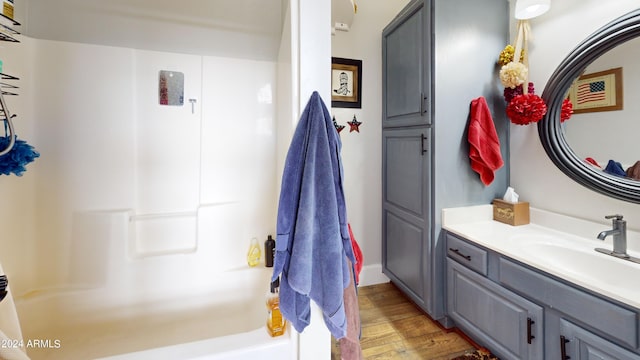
[371, 275]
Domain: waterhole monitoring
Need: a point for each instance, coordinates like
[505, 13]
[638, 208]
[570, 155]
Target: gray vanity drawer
[610, 319]
[467, 254]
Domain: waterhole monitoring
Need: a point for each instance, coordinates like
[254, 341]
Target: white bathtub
[256, 344]
[98, 324]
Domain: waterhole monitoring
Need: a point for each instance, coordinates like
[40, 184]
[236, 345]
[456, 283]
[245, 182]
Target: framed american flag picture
[599, 91]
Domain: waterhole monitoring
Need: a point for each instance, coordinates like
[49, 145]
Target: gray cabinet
[437, 56]
[405, 209]
[406, 75]
[519, 312]
[508, 324]
[602, 316]
[580, 344]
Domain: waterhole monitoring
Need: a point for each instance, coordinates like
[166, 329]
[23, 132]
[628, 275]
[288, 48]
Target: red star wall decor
[354, 124]
[338, 126]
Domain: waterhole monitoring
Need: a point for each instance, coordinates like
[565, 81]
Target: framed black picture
[346, 83]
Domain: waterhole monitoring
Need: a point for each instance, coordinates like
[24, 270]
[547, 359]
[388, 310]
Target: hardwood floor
[394, 328]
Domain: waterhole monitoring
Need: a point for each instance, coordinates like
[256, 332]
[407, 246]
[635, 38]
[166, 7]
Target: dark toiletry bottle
[269, 251]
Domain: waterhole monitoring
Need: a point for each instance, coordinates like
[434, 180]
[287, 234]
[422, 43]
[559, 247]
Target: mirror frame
[550, 129]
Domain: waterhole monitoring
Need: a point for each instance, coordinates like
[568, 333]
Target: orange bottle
[276, 324]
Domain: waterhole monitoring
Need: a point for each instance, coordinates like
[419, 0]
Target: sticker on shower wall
[171, 88]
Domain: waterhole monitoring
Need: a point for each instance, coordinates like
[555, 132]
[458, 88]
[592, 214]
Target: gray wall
[465, 67]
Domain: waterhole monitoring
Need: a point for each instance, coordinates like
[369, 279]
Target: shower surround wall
[138, 196]
[16, 216]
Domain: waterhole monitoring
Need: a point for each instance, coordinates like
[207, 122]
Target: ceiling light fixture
[528, 9]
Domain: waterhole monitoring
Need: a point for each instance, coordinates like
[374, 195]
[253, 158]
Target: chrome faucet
[619, 233]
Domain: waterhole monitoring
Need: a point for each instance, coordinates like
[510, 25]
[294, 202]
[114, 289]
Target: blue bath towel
[313, 243]
[615, 168]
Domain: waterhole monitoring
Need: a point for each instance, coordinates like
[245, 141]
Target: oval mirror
[552, 131]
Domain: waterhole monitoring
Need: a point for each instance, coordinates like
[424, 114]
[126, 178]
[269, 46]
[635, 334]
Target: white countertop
[557, 244]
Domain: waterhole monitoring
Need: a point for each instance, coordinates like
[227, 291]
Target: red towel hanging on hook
[484, 150]
[357, 253]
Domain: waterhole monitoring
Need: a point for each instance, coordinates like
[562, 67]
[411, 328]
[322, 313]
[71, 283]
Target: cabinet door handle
[423, 139]
[457, 252]
[423, 108]
[530, 336]
[563, 348]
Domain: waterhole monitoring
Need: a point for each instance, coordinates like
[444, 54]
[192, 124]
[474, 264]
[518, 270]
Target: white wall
[532, 173]
[362, 152]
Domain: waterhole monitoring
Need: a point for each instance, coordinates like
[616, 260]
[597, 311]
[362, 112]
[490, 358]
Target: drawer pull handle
[457, 252]
[530, 336]
[422, 141]
[563, 348]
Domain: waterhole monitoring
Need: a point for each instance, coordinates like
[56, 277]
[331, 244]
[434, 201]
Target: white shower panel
[238, 132]
[167, 153]
[167, 137]
[94, 235]
[165, 234]
[84, 119]
[133, 179]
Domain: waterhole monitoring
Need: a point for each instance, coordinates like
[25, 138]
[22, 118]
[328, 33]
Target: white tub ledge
[251, 345]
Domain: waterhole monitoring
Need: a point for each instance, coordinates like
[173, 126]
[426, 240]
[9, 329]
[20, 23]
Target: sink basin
[585, 263]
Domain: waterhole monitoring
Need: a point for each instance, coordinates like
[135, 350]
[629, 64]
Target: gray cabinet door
[580, 344]
[405, 196]
[405, 73]
[508, 324]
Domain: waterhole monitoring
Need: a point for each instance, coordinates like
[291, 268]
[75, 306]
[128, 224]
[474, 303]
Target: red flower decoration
[567, 110]
[525, 109]
[510, 93]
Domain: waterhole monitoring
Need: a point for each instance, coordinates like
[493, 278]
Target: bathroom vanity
[541, 291]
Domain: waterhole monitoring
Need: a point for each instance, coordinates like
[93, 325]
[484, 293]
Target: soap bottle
[269, 251]
[253, 256]
[275, 322]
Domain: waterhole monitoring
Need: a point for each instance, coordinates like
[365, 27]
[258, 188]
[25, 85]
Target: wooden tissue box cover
[511, 213]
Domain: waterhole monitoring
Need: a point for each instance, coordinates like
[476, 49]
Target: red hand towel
[484, 151]
[357, 253]
[593, 162]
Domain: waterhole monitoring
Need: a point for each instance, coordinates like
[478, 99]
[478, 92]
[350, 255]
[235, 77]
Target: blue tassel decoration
[17, 158]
